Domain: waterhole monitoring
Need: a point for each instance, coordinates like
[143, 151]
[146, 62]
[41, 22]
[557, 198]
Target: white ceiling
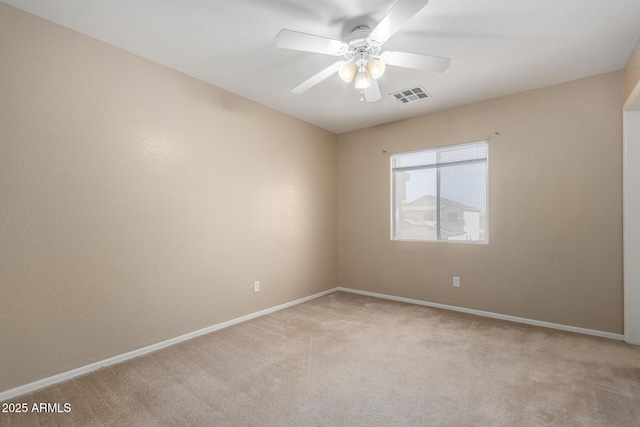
[498, 47]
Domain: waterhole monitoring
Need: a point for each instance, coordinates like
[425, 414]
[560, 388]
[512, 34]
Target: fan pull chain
[361, 95]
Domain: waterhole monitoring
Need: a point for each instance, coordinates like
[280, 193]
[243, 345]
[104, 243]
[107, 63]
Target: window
[441, 194]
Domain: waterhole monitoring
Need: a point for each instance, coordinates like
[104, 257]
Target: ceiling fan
[364, 59]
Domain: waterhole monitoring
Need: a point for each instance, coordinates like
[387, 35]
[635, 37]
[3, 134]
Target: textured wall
[555, 208]
[138, 204]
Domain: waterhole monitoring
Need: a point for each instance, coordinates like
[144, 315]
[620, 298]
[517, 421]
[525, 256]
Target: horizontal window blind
[440, 194]
[474, 152]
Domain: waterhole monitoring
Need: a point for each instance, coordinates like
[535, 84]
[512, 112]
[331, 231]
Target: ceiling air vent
[410, 95]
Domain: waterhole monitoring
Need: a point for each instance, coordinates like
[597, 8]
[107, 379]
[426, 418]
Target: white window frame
[438, 166]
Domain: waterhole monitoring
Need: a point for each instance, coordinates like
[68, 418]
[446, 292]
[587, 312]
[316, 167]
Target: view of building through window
[441, 194]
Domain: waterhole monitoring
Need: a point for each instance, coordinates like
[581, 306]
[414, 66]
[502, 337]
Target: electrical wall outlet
[456, 282]
[256, 286]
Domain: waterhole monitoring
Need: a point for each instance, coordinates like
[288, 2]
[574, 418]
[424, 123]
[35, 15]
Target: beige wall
[555, 208]
[138, 204]
[632, 71]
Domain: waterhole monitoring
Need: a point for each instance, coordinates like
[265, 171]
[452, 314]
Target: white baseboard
[490, 314]
[28, 388]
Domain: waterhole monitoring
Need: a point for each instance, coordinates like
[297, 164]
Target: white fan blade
[399, 15]
[372, 93]
[413, 60]
[317, 78]
[288, 39]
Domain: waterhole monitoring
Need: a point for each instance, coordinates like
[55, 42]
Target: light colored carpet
[346, 359]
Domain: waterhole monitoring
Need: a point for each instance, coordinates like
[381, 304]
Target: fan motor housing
[359, 46]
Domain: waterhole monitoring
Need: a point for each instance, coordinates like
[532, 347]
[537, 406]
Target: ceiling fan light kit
[365, 61]
[362, 79]
[348, 71]
[375, 68]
